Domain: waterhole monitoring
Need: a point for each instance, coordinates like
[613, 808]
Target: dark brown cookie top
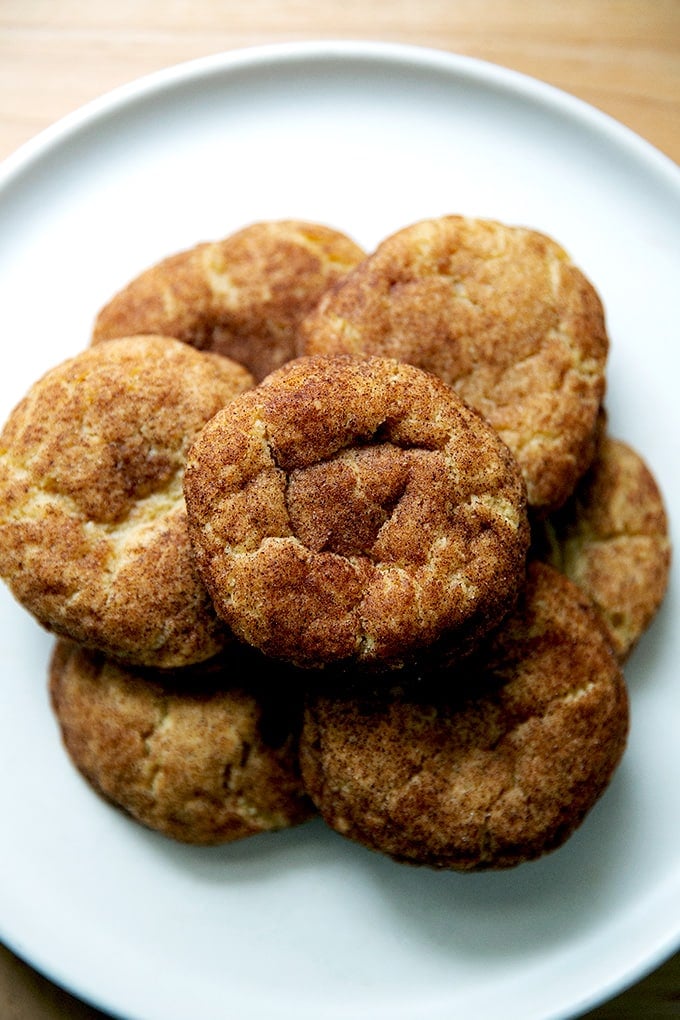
[93, 534]
[500, 313]
[612, 539]
[355, 510]
[479, 767]
[204, 755]
[242, 296]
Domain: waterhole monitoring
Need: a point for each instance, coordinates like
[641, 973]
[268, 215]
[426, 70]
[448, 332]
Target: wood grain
[622, 56]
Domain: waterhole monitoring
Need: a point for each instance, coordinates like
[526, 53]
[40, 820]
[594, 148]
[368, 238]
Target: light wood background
[622, 56]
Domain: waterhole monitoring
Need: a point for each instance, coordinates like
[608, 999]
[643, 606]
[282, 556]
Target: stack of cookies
[328, 532]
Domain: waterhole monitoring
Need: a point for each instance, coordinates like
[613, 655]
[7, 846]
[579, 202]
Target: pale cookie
[612, 539]
[483, 767]
[498, 312]
[243, 296]
[353, 510]
[204, 755]
[93, 534]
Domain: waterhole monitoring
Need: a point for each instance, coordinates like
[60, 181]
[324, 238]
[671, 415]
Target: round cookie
[486, 766]
[93, 534]
[498, 312]
[612, 539]
[243, 296]
[352, 510]
[205, 755]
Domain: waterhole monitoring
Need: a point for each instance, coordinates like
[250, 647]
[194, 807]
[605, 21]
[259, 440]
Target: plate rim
[368, 51]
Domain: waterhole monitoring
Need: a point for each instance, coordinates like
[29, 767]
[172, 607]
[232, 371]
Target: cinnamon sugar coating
[203, 755]
[500, 313]
[352, 510]
[93, 534]
[482, 767]
[243, 296]
[612, 539]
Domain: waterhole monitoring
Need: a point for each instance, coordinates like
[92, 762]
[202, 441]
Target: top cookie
[355, 510]
[93, 536]
[242, 296]
[498, 312]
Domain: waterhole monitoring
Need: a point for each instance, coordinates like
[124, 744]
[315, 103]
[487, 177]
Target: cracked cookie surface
[612, 539]
[242, 296]
[500, 313]
[93, 534]
[484, 766]
[352, 510]
[204, 755]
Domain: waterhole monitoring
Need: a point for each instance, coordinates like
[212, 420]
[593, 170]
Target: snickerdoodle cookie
[93, 535]
[204, 755]
[500, 313]
[486, 766]
[612, 539]
[242, 296]
[354, 510]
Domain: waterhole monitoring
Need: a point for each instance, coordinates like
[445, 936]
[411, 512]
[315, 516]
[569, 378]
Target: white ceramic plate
[303, 924]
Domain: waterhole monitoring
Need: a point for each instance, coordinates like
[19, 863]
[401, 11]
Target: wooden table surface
[622, 56]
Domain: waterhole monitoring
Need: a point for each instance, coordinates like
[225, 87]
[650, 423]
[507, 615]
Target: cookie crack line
[502, 509]
[233, 771]
[358, 440]
[46, 492]
[356, 560]
[586, 369]
[147, 737]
